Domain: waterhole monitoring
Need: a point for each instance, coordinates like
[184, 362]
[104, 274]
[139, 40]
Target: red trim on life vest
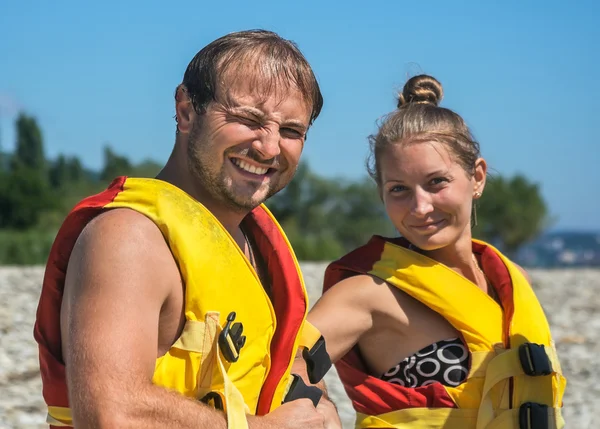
[499, 276]
[287, 295]
[359, 261]
[47, 325]
[371, 395]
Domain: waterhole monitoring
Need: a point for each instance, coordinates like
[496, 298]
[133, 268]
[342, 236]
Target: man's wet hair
[262, 58]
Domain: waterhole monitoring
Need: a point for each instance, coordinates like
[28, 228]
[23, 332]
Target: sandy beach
[571, 299]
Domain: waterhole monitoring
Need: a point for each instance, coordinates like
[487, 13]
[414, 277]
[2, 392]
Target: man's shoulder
[117, 227]
[122, 234]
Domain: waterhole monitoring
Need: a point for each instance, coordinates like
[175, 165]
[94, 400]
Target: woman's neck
[459, 257]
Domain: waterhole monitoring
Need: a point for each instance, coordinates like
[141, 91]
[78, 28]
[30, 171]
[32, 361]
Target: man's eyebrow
[248, 110]
[295, 124]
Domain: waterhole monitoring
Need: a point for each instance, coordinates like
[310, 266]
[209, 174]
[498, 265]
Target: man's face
[246, 147]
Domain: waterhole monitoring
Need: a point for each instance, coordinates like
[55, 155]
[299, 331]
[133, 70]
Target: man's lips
[253, 168]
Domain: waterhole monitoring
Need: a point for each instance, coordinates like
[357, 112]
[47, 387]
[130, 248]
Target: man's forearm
[150, 407]
[327, 408]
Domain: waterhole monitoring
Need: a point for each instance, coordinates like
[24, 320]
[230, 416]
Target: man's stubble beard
[217, 184]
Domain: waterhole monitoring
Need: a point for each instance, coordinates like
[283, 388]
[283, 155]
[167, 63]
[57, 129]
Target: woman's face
[427, 194]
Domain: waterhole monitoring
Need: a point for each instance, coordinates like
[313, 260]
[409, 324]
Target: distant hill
[562, 249]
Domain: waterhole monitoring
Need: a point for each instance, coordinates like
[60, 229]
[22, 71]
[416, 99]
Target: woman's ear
[479, 177]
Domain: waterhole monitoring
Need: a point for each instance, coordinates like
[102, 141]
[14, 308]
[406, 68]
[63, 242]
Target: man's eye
[291, 133]
[249, 121]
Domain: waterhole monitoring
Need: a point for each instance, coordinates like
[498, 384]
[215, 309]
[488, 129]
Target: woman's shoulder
[356, 263]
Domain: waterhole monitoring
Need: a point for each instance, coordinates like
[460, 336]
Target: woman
[436, 329]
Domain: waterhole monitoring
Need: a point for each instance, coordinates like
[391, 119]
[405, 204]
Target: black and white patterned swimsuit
[446, 362]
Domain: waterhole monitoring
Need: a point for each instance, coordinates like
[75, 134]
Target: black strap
[317, 360]
[533, 416]
[299, 389]
[534, 359]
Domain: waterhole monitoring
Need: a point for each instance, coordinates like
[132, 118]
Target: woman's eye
[397, 188]
[439, 180]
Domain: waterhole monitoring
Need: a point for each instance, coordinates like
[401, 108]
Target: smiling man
[177, 301]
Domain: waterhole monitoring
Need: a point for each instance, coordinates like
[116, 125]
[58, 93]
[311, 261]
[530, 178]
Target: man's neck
[180, 177]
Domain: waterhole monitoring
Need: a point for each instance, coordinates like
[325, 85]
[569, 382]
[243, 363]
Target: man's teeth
[249, 168]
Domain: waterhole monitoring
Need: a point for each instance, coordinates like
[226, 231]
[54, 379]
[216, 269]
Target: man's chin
[247, 204]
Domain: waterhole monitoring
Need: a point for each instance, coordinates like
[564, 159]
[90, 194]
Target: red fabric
[287, 295]
[371, 395]
[47, 325]
[499, 276]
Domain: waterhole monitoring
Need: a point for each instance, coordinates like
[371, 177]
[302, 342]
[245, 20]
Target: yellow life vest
[515, 380]
[221, 284]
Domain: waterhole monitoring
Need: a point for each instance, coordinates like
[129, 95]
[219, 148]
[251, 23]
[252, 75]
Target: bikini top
[446, 362]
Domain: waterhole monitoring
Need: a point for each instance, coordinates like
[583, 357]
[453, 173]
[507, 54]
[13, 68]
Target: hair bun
[421, 89]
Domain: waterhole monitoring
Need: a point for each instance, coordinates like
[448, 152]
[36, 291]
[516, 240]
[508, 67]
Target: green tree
[361, 214]
[29, 148]
[325, 218]
[24, 197]
[75, 169]
[511, 212]
[146, 168]
[65, 171]
[114, 165]
[58, 172]
[24, 190]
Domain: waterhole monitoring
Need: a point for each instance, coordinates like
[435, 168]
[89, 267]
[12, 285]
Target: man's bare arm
[326, 406]
[342, 315]
[120, 275]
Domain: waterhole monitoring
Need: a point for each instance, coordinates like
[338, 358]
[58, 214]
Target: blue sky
[524, 75]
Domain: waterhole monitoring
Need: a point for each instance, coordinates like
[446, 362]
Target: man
[176, 301]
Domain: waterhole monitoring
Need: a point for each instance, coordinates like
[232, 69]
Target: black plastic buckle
[299, 389]
[534, 359]
[317, 360]
[214, 400]
[533, 416]
[231, 339]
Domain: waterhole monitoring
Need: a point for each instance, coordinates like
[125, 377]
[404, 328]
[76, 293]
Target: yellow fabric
[235, 407]
[309, 336]
[59, 416]
[219, 279]
[420, 418]
[499, 369]
[446, 418]
[200, 337]
[485, 398]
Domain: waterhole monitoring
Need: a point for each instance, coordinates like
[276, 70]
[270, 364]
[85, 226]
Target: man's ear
[184, 110]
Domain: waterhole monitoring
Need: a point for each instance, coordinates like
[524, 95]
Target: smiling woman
[439, 330]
